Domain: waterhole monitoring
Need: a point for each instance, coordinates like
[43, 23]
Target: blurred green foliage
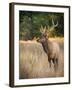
[31, 22]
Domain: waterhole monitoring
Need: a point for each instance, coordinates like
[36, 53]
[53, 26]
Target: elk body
[51, 48]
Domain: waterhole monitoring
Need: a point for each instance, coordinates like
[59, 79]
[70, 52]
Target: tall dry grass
[34, 61]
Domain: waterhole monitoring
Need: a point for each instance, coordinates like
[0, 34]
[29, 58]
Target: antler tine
[44, 29]
[54, 25]
[53, 22]
[41, 29]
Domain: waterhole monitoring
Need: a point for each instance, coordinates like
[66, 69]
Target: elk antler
[42, 30]
[54, 25]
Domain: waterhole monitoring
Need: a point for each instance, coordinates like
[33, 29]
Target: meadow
[33, 61]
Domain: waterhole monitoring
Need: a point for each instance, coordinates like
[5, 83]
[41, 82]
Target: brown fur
[51, 49]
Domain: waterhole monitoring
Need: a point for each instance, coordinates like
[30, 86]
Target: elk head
[46, 31]
[43, 38]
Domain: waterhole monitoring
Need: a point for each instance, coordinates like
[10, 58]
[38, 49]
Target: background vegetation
[31, 22]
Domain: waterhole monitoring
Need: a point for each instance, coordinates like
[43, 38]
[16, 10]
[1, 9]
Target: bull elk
[51, 48]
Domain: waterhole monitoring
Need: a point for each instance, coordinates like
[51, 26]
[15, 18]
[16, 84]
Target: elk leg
[56, 64]
[50, 63]
[53, 61]
[49, 60]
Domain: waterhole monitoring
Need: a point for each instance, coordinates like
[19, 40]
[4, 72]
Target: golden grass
[57, 39]
[34, 61]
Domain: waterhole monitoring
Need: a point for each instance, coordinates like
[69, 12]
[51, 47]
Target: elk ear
[47, 33]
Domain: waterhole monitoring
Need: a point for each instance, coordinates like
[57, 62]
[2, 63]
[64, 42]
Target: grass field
[34, 61]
